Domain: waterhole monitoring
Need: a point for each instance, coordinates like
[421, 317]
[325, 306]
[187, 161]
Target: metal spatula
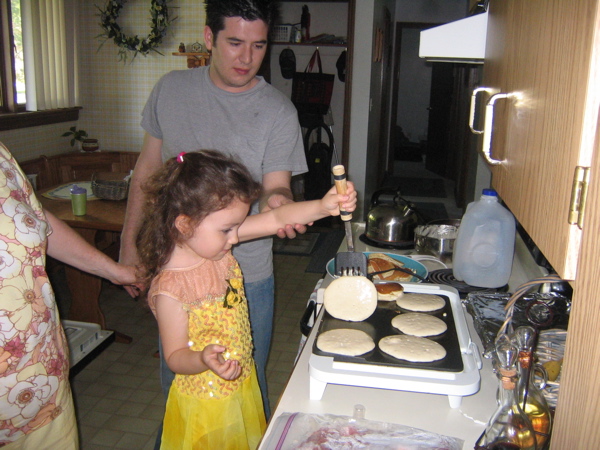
[347, 263]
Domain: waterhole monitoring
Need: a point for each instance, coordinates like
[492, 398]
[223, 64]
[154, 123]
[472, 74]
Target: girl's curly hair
[193, 184]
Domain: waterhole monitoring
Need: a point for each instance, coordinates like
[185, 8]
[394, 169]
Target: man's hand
[130, 259]
[290, 231]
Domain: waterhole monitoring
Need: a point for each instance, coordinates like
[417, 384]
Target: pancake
[345, 341]
[419, 324]
[421, 302]
[350, 298]
[389, 292]
[412, 348]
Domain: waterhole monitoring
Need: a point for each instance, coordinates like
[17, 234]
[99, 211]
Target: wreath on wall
[136, 44]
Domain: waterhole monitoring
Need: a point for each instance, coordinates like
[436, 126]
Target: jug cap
[489, 192]
[75, 189]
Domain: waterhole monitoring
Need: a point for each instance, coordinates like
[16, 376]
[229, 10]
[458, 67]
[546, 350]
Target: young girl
[197, 209]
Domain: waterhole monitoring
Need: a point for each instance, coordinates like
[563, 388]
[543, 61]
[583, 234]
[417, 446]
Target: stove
[446, 277]
[455, 380]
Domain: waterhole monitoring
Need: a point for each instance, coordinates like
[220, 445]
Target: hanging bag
[311, 91]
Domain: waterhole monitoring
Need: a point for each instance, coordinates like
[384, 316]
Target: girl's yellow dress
[205, 411]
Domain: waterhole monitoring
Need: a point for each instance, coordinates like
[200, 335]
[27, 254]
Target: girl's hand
[212, 357]
[332, 200]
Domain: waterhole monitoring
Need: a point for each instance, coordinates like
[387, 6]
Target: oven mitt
[341, 66]
[287, 63]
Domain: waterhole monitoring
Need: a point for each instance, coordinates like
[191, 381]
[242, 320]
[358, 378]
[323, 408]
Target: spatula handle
[339, 176]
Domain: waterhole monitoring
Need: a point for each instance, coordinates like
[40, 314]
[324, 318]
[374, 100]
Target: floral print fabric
[34, 360]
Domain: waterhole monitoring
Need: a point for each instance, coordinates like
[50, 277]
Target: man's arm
[66, 245]
[148, 162]
[276, 192]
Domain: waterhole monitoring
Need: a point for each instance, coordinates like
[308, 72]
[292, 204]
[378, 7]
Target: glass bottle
[531, 399]
[509, 428]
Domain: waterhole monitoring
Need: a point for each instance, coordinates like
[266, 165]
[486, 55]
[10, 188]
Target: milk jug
[485, 244]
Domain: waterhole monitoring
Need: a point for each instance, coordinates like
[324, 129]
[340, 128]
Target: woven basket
[281, 33]
[110, 185]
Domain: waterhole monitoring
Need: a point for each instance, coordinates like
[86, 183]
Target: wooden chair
[77, 166]
[80, 166]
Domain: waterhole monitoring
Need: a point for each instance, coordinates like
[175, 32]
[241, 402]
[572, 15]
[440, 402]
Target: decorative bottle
[305, 24]
[509, 428]
[531, 399]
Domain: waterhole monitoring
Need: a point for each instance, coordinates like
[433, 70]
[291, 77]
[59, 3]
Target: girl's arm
[267, 223]
[173, 327]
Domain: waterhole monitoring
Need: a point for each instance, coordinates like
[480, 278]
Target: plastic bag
[301, 431]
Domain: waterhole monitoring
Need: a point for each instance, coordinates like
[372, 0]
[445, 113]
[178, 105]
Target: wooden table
[102, 215]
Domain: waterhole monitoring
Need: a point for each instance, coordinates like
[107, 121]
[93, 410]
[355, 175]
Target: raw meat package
[300, 431]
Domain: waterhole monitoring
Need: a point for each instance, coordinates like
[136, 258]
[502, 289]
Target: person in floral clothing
[36, 407]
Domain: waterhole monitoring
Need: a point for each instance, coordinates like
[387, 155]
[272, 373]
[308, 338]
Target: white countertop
[431, 412]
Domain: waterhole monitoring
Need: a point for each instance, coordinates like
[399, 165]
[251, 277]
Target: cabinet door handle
[489, 124]
[476, 91]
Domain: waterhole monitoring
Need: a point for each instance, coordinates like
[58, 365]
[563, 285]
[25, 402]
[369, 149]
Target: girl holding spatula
[197, 209]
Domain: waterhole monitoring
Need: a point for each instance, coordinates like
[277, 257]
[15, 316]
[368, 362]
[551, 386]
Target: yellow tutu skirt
[235, 422]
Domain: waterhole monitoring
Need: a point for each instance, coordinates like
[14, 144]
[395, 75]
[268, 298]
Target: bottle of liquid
[531, 399]
[305, 24]
[485, 244]
[509, 428]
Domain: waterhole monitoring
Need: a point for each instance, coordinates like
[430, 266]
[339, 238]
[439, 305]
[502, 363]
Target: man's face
[237, 53]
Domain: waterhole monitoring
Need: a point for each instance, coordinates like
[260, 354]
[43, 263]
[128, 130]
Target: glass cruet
[509, 428]
[531, 399]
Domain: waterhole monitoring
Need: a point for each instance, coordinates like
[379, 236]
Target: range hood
[460, 41]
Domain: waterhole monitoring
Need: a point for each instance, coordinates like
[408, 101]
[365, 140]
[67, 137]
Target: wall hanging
[159, 13]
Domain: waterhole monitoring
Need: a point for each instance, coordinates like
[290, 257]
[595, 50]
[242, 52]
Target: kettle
[392, 222]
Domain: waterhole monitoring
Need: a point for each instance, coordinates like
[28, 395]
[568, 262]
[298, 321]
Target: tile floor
[118, 397]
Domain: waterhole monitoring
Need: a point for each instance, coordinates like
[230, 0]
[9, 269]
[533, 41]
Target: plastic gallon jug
[485, 244]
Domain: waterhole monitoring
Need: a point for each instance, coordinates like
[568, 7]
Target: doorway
[429, 115]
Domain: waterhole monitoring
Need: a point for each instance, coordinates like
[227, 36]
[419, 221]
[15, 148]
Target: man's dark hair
[218, 10]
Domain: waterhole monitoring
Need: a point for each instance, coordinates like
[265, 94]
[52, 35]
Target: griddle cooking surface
[379, 325]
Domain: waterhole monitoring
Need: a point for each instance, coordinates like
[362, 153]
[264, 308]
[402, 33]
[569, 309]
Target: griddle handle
[305, 328]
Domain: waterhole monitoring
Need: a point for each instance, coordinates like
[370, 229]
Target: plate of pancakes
[387, 263]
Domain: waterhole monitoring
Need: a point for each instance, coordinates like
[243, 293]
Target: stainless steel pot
[391, 219]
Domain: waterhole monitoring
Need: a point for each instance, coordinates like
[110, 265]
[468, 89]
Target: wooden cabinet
[547, 52]
[544, 52]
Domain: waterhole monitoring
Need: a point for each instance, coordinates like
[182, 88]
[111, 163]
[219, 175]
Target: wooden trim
[13, 121]
[348, 84]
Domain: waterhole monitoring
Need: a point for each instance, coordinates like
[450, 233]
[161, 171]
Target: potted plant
[81, 136]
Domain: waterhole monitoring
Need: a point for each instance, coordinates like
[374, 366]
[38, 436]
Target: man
[226, 107]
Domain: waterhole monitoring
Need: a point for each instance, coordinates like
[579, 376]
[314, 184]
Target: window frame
[12, 115]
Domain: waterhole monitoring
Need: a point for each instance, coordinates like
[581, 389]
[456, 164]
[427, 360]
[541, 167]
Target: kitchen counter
[431, 412]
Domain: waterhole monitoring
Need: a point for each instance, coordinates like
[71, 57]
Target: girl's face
[217, 233]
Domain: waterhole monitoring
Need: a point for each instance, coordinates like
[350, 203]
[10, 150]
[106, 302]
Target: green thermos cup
[78, 200]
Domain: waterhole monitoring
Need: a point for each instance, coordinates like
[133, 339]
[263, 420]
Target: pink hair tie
[180, 157]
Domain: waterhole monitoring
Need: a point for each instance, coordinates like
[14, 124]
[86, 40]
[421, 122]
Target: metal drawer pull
[488, 125]
[476, 91]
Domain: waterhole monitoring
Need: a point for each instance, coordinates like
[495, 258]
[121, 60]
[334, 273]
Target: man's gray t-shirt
[259, 126]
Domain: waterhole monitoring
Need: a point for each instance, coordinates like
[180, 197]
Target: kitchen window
[38, 60]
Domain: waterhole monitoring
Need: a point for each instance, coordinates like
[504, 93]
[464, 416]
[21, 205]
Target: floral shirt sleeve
[34, 359]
